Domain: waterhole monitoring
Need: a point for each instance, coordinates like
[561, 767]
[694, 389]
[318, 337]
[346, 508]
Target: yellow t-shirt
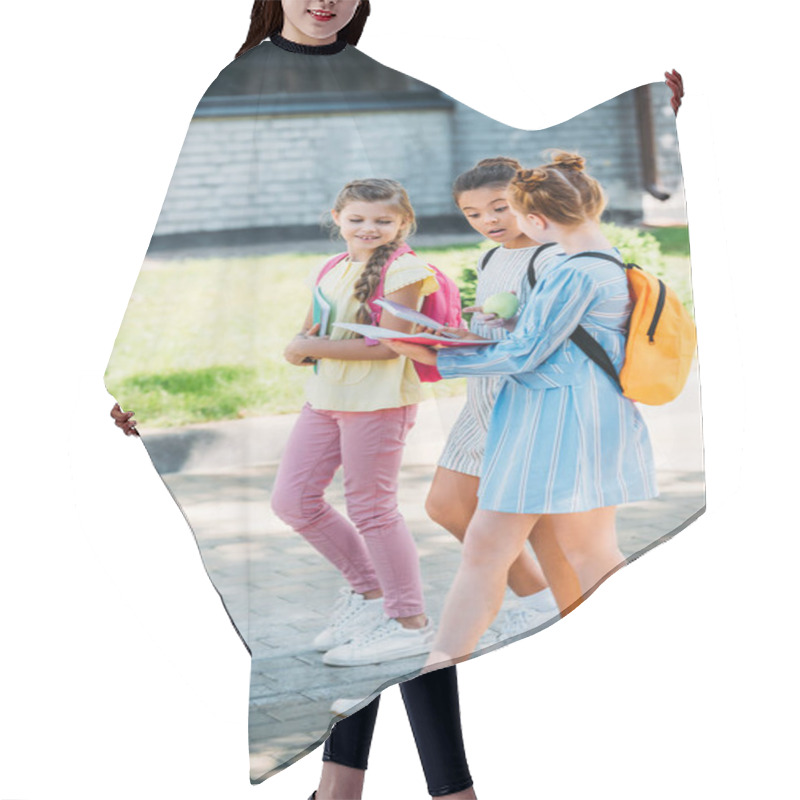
[366, 385]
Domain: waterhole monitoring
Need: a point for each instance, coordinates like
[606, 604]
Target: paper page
[376, 332]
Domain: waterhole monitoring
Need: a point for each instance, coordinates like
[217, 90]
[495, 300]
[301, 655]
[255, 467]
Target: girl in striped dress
[480, 194]
[562, 438]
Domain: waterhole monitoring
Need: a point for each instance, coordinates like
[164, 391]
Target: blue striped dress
[562, 438]
[506, 271]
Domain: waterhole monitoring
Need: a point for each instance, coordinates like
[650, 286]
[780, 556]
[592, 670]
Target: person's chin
[319, 30]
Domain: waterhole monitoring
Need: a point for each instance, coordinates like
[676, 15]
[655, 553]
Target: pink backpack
[444, 305]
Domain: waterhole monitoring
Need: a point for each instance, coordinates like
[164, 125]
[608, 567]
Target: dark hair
[489, 172]
[266, 19]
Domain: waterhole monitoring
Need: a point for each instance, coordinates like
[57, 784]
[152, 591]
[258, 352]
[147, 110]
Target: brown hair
[560, 191]
[376, 190]
[488, 172]
[266, 19]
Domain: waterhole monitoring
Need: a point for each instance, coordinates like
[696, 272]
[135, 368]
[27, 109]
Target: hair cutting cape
[225, 286]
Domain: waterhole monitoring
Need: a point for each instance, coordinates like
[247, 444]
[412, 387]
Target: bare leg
[452, 500]
[415, 621]
[560, 575]
[346, 755]
[494, 540]
[432, 705]
[339, 782]
[345, 783]
[589, 541]
[451, 503]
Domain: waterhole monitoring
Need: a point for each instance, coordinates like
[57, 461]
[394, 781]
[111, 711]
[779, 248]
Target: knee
[440, 510]
[375, 522]
[436, 509]
[283, 507]
[589, 556]
[576, 553]
[293, 508]
[481, 550]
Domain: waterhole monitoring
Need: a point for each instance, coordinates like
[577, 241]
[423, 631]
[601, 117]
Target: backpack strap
[374, 308]
[596, 352]
[379, 289]
[487, 258]
[585, 341]
[531, 268]
[595, 254]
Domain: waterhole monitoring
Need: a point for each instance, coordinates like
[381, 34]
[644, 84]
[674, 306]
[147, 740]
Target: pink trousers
[375, 550]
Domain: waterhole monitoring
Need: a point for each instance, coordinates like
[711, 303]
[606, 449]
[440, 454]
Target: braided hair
[266, 19]
[376, 190]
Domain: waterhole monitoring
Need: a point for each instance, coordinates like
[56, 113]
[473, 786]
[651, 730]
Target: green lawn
[204, 338]
[674, 241]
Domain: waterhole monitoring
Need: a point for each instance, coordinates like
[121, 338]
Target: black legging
[432, 706]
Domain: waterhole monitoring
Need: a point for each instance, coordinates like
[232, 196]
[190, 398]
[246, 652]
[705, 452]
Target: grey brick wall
[285, 170]
[606, 135]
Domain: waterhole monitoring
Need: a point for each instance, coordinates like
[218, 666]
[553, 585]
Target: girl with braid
[361, 404]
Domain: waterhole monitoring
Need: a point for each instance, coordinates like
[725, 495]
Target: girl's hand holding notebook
[464, 334]
[445, 337]
[416, 352]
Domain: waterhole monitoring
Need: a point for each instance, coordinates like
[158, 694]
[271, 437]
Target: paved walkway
[279, 591]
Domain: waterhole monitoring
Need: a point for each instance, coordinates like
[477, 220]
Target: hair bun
[529, 179]
[572, 161]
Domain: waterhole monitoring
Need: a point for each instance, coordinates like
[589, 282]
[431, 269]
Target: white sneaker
[389, 641]
[352, 615]
[344, 705]
[488, 639]
[526, 617]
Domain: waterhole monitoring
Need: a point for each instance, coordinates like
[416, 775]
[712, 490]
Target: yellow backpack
[660, 344]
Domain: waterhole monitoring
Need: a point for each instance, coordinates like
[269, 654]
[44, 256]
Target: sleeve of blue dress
[554, 310]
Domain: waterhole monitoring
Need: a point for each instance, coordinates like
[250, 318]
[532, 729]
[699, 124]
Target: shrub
[635, 245]
[468, 278]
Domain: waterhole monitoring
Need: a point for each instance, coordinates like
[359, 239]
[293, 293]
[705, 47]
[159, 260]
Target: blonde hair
[560, 191]
[376, 190]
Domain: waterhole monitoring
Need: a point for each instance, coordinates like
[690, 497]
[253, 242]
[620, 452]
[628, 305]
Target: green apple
[504, 304]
